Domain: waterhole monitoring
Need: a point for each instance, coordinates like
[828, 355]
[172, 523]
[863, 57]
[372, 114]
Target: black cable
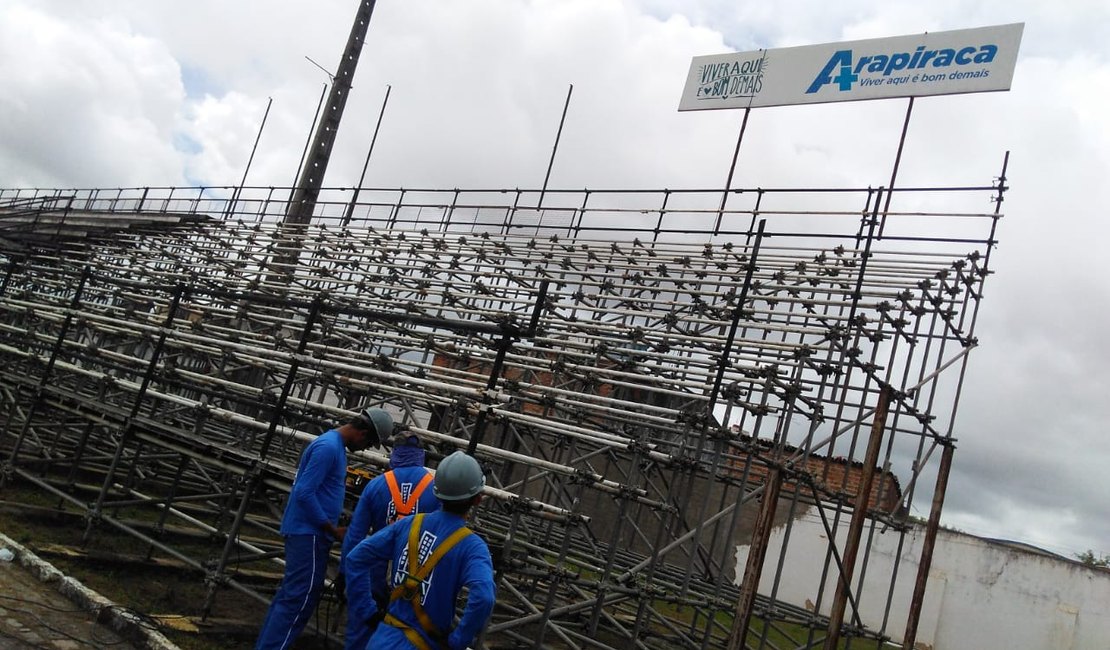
[47, 626]
[29, 644]
[144, 620]
[36, 603]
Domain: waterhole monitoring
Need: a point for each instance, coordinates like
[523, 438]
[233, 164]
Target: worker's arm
[359, 528]
[306, 487]
[365, 568]
[478, 578]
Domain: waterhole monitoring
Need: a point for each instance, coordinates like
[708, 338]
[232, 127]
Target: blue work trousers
[306, 563]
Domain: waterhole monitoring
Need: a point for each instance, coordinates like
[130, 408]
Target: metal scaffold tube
[657, 383]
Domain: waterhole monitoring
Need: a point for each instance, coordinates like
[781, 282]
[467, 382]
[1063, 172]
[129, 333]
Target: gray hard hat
[378, 421]
[458, 478]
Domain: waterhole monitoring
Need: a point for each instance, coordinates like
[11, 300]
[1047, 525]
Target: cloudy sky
[141, 92]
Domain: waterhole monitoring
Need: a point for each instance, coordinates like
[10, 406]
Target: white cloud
[85, 103]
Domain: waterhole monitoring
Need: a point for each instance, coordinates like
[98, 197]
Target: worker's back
[415, 589]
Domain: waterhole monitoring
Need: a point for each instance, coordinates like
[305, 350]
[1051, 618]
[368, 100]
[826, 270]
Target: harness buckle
[410, 586]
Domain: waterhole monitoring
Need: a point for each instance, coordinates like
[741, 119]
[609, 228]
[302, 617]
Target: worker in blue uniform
[404, 490]
[429, 559]
[309, 524]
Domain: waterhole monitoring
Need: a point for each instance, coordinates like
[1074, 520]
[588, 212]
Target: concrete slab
[33, 615]
[42, 608]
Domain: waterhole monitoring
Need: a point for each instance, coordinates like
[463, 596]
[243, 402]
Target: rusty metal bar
[757, 552]
[926, 562]
[859, 516]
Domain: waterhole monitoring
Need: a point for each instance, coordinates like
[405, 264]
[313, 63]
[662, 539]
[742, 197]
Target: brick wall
[837, 475]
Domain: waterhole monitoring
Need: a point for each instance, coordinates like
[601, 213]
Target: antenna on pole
[331, 77]
[312, 173]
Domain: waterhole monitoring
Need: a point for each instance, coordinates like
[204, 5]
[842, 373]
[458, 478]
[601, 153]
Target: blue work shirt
[317, 494]
[376, 506]
[468, 565]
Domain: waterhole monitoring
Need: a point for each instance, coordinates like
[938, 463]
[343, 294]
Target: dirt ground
[119, 568]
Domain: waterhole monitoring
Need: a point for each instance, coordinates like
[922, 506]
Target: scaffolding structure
[650, 378]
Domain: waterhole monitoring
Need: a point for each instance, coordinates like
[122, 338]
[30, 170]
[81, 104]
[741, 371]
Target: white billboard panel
[938, 63]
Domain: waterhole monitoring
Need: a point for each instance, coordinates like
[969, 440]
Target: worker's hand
[375, 619]
[337, 532]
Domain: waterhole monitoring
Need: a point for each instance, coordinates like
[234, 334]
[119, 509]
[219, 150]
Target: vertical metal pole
[308, 141]
[195, 207]
[662, 213]
[553, 587]
[216, 577]
[265, 208]
[291, 378]
[251, 478]
[655, 556]
[82, 443]
[610, 557]
[504, 345]
[507, 222]
[897, 160]
[79, 452]
[537, 309]
[239, 190]
[927, 547]
[939, 492]
[445, 222]
[396, 212]
[575, 228]
[859, 515]
[316, 165]
[499, 572]
[731, 171]
[129, 424]
[757, 552]
[365, 165]
[47, 371]
[160, 527]
[729, 533]
[281, 259]
[737, 315]
[12, 264]
[714, 392]
[555, 148]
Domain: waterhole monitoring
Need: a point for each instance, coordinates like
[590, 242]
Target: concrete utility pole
[316, 162]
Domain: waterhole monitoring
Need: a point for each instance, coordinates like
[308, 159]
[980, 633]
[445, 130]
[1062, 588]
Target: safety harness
[409, 587]
[404, 508]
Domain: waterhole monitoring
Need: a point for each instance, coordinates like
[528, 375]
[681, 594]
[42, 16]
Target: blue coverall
[316, 499]
[374, 507]
[468, 564]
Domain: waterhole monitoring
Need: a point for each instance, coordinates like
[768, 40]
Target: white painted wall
[981, 595]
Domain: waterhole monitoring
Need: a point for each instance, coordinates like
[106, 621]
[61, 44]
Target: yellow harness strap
[409, 588]
[412, 635]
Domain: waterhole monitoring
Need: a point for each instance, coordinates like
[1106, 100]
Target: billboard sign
[938, 63]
